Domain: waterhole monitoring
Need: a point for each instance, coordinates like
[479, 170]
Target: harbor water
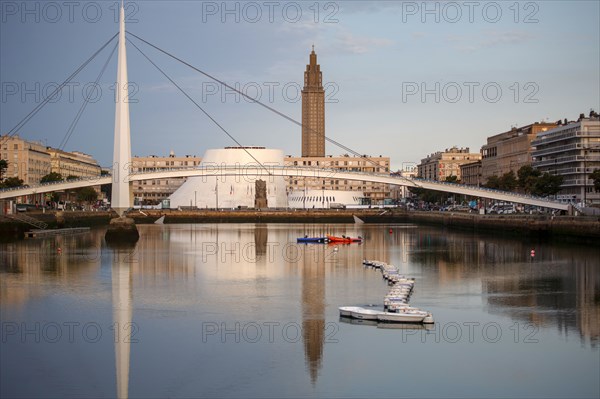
[242, 310]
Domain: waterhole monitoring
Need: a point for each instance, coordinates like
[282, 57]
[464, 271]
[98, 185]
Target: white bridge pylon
[269, 171]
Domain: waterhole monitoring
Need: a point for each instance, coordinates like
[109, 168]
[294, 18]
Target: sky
[403, 79]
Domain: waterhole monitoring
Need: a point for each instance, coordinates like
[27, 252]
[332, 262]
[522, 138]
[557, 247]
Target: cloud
[347, 43]
[489, 39]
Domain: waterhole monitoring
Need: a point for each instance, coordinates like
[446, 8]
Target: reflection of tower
[313, 110]
[122, 298]
[260, 239]
[313, 312]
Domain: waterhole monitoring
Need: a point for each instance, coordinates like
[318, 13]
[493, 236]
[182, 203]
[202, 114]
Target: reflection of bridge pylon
[122, 315]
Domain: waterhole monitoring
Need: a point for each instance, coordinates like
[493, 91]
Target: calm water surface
[241, 310]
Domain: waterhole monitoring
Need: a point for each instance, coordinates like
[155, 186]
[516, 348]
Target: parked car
[502, 209]
[26, 207]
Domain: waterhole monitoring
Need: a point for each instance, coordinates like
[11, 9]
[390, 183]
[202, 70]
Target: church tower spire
[313, 110]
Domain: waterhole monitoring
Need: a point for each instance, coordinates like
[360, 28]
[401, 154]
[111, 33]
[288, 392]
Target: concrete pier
[122, 229]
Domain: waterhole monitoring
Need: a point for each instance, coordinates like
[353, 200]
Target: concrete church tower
[313, 110]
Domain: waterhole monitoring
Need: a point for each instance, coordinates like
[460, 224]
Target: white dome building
[232, 191]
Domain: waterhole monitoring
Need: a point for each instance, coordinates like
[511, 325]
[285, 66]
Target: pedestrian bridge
[269, 171]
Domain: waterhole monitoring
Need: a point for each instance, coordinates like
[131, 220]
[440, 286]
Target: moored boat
[403, 316]
[366, 314]
[311, 239]
[344, 239]
[346, 311]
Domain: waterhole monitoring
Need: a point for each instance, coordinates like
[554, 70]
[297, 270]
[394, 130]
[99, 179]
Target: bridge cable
[86, 101]
[255, 100]
[199, 107]
[28, 117]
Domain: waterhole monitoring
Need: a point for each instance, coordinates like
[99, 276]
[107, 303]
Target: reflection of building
[509, 150]
[232, 191]
[313, 110]
[375, 191]
[443, 164]
[573, 152]
[27, 160]
[151, 192]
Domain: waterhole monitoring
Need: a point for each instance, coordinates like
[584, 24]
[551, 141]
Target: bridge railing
[486, 189]
[318, 172]
[46, 184]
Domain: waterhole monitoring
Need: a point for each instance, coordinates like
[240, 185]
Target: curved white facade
[323, 199]
[232, 191]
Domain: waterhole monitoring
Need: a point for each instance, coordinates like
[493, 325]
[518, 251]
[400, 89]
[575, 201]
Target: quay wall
[578, 228]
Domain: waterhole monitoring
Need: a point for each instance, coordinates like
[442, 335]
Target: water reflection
[256, 272]
[122, 297]
[313, 310]
[559, 286]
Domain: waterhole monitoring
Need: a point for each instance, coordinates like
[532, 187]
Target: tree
[508, 181]
[547, 184]
[493, 182]
[595, 176]
[50, 177]
[527, 177]
[3, 167]
[11, 182]
[86, 194]
[452, 179]
[72, 177]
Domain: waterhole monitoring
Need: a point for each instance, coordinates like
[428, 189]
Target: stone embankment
[578, 228]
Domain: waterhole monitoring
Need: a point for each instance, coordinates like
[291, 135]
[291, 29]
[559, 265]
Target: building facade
[397, 193]
[572, 151]
[74, 163]
[313, 110]
[470, 173]
[510, 150]
[230, 192]
[152, 192]
[27, 160]
[376, 192]
[443, 164]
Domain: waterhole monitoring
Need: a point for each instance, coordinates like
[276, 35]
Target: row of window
[313, 199]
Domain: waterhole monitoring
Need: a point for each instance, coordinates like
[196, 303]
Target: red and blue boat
[343, 239]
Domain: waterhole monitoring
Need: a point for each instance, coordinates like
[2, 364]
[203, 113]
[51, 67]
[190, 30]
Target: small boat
[344, 239]
[366, 314]
[346, 311]
[403, 316]
[312, 239]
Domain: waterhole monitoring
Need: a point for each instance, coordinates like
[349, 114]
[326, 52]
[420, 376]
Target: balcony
[558, 149]
[551, 138]
[571, 159]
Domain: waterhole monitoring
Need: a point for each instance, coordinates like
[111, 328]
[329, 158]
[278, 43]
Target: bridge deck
[291, 171]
